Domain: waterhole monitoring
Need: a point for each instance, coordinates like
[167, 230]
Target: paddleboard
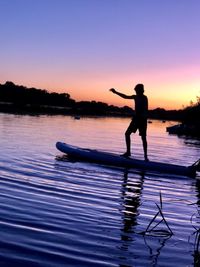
[92, 155]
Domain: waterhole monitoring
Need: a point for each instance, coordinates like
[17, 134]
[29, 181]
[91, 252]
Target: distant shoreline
[22, 100]
[187, 129]
[18, 99]
[28, 109]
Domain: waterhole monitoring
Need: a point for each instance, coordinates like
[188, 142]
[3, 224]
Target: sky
[85, 47]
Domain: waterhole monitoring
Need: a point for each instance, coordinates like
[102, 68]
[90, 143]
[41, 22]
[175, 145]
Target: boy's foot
[146, 158]
[126, 154]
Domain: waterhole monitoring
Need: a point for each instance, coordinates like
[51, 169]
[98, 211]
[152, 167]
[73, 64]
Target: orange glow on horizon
[174, 96]
[172, 88]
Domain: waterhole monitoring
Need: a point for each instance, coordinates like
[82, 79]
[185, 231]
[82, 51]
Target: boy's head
[139, 89]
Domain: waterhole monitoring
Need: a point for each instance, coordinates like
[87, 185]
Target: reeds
[157, 220]
[196, 240]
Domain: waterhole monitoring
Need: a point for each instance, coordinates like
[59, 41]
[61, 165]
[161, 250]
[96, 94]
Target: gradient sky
[85, 47]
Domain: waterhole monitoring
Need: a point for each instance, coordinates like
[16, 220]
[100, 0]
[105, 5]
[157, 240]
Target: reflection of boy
[139, 121]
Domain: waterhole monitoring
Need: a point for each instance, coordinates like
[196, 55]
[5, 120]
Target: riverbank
[18, 99]
[89, 108]
[187, 129]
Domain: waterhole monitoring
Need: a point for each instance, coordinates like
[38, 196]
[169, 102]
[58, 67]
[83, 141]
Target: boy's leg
[143, 134]
[128, 143]
[131, 129]
[144, 142]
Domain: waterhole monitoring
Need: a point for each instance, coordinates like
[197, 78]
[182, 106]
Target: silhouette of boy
[139, 120]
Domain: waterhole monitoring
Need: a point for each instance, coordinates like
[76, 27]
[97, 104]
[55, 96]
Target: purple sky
[84, 47]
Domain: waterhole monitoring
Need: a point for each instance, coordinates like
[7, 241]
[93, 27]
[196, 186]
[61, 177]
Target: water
[57, 213]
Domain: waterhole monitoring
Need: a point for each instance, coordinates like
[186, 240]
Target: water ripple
[57, 213]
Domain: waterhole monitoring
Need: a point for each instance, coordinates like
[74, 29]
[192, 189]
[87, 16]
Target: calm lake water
[57, 213]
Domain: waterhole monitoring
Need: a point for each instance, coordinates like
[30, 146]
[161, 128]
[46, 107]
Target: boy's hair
[139, 88]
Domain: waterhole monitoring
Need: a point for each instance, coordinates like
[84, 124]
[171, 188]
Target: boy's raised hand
[112, 90]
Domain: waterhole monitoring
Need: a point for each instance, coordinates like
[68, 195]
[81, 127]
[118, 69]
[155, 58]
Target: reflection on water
[131, 194]
[130, 202]
[62, 213]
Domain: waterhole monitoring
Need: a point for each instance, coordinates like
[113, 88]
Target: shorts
[138, 124]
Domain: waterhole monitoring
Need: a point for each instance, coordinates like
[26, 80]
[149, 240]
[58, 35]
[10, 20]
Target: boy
[139, 120]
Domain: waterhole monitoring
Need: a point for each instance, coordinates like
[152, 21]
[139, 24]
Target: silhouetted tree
[21, 95]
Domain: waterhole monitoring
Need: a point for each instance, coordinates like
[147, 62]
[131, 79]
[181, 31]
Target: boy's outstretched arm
[121, 95]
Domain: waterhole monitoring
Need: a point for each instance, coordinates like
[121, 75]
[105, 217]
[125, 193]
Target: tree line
[21, 95]
[18, 98]
[26, 99]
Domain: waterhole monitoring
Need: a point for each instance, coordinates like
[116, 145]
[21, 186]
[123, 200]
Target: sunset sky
[85, 47]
